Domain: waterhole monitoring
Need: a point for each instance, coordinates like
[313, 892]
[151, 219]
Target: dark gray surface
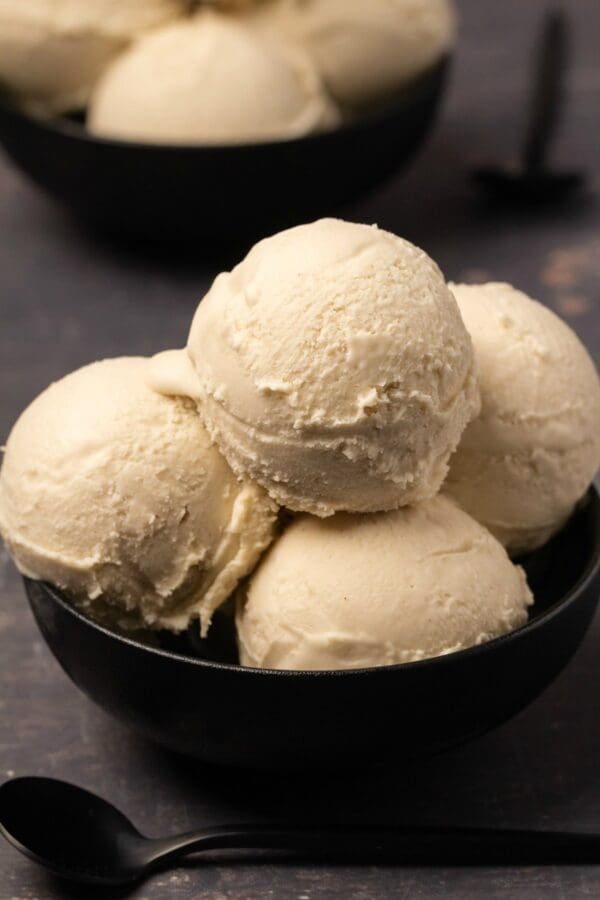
[66, 299]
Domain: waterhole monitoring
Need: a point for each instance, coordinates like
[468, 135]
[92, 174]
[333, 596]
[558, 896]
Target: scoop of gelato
[357, 591]
[210, 79]
[334, 369]
[365, 51]
[53, 51]
[525, 462]
[116, 495]
[229, 5]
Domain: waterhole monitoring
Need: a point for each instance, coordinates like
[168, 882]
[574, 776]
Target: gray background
[67, 299]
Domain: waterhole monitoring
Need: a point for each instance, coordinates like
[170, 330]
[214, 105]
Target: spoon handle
[464, 846]
[547, 90]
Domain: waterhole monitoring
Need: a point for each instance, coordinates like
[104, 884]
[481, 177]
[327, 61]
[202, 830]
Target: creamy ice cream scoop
[210, 79]
[53, 51]
[229, 5]
[358, 591]
[333, 368]
[525, 462]
[365, 51]
[116, 495]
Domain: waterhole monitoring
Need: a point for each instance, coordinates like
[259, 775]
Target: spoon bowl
[190, 695]
[70, 831]
[517, 185]
[179, 192]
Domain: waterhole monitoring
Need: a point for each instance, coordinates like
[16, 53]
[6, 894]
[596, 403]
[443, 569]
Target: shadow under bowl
[177, 192]
[223, 713]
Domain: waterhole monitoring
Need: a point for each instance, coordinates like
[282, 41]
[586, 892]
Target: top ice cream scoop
[210, 79]
[333, 368]
[365, 51]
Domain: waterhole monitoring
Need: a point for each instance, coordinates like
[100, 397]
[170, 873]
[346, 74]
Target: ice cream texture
[229, 5]
[116, 495]
[53, 51]
[365, 51]
[210, 79]
[333, 368]
[360, 591]
[523, 464]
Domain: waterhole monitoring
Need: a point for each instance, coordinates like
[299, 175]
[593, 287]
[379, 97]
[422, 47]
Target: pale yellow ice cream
[115, 494]
[228, 5]
[333, 368]
[365, 49]
[53, 51]
[525, 462]
[357, 591]
[210, 80]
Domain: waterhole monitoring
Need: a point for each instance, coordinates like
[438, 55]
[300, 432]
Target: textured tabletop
[67, 299]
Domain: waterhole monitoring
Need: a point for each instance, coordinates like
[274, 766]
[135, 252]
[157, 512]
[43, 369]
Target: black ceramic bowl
[224, 713]
[178, 192]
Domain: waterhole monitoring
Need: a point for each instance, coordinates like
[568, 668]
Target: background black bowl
[178, 192]
[227, 714]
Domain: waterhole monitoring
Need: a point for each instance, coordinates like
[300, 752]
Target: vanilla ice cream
[396, 587]
[525, 462]
[333, 368]
[365, 51]
[115, 494]
[234, 4]
[209, 80]
[53, 51]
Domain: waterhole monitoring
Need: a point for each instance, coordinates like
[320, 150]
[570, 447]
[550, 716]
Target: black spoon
[530, 179]
[81, 837]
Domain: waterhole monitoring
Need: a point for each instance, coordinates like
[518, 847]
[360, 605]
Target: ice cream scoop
[229, 5]
[53, 51]
[333, 368]
[365, 51]
[210, 79]
[116, 495]
[525, 462]
[357, 591]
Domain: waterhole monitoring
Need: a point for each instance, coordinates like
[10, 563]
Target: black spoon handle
[464, 846]
[547, 91]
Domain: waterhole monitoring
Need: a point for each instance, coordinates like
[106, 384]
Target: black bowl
[183, 192]
[224, 713]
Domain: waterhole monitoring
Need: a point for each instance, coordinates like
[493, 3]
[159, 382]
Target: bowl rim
[586, 577]
[67, 128]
